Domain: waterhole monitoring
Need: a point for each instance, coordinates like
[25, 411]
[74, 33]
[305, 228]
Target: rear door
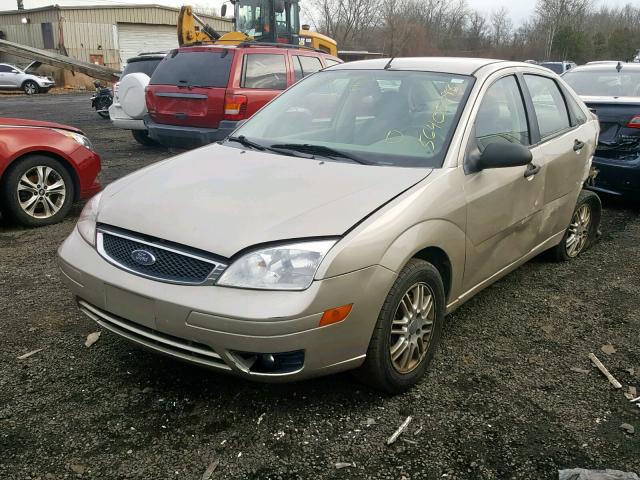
[188, 87]
[261, 77]
[564, 147]
[6, 77]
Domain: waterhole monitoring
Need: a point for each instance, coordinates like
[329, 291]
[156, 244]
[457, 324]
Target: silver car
[13, 78]
[338, 226]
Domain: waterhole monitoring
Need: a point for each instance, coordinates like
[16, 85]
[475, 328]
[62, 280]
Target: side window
[502, 117]
[578, 113]
[265, 71]
[549, 105]
[5, 68]
[310, 65]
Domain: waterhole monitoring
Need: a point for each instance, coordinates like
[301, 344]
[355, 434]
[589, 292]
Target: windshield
[604, 83]
[194, 68]
[253, 18]
[141, 66]
[384, 117]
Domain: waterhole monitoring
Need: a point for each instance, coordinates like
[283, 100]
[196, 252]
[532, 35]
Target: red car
[198, 95]
[44, 168]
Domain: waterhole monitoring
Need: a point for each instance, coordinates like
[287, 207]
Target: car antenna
[388, 65]
[619, 67]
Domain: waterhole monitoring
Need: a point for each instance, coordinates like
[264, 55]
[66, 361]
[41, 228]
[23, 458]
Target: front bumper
[46, 83]
[617, 177]
[124, 121]
[187, 137]
[87, 165]
[209, 325]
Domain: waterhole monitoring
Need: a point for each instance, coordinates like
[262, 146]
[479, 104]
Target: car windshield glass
[605, 83]
[202, 68]
[379, 117]
[141, 66]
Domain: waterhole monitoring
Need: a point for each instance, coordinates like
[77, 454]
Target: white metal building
[107, 35]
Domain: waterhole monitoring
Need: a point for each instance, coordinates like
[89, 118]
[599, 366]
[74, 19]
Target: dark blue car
[612, 92]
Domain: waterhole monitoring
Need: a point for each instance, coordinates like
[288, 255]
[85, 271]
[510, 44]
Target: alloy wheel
[579, 230]
[30, 88]
[411, 328]
[41, 192]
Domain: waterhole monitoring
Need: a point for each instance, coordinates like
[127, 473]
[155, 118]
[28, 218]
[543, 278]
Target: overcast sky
[520, 9]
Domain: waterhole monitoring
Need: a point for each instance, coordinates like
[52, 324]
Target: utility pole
[20, 4]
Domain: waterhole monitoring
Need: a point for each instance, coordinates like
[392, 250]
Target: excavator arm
[192, 30]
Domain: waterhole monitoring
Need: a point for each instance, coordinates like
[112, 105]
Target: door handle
[578, 145]
[531, 170]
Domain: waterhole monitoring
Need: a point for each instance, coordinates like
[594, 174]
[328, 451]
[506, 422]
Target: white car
[14, 78]
[129, 105]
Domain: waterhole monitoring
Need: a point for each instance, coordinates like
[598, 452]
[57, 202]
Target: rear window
[141, 66]
[305, 65]
[605, 83]
[194, 69]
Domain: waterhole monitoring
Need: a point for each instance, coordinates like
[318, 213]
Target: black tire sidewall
[382, 373]
[142, 137]
[9, 195]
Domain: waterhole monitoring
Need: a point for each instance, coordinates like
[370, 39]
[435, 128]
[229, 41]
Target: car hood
[20, 122]
[223, 199]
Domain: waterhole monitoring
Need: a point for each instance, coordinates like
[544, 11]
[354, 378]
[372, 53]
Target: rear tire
[102, 106]
[406, 321]
[37, 190]
[30, 87]
[143, 138]
[583, 231]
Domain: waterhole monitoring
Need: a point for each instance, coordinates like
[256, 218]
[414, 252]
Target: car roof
[271, 47]
[453, 65]
[607, 67]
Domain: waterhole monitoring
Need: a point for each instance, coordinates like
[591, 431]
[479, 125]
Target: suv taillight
[634, 122]
[149, 100]
[235, 107]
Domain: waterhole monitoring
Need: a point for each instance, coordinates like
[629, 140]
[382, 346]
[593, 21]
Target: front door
[503, 204]
[6, 77]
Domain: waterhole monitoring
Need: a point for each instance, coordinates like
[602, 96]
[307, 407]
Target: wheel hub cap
[41, 192]
[578, 231]
[411, 328]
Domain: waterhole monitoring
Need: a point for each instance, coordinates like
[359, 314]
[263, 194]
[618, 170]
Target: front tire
[30, 87]
[408, 329]
[37, 190]
[583, 230]
[142, 137]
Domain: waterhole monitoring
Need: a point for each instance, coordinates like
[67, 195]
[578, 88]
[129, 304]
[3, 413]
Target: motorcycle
[102, 99]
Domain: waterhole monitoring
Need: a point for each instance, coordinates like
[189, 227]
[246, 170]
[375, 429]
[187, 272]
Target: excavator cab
[272, 21]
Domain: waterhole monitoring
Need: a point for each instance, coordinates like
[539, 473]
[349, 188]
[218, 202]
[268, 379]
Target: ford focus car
[336, 228]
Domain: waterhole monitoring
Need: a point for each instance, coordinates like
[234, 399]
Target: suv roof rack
[280, 45]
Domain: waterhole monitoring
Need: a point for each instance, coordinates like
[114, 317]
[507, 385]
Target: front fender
[438, 233]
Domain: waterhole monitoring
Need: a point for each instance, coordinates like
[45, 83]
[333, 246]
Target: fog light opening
[270, 363]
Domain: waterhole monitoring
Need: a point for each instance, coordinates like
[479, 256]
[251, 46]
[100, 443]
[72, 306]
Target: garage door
[134, 39]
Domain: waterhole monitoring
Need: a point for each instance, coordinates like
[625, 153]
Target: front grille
[170, 264]
[167, 344]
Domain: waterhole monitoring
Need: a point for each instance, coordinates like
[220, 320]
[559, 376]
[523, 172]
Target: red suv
[197, 95]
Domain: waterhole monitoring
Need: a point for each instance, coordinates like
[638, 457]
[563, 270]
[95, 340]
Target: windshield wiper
[245, 142]
[322, 151]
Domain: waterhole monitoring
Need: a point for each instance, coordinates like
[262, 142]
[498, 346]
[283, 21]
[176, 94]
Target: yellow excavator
[269, 21]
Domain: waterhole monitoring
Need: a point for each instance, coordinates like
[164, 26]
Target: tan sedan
[336, 228]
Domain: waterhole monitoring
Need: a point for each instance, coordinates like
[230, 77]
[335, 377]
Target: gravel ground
[501, 400]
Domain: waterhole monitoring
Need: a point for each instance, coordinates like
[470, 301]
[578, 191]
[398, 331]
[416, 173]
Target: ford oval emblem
[142, 257]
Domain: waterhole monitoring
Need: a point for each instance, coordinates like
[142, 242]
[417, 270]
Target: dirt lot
[501, 400]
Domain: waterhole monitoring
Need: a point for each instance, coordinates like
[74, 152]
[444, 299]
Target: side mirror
[223, 10]
[498, 155]
[278, 6]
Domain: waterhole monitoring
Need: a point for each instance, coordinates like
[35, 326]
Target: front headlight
[284, 267]
[88, 218]
[81, 139]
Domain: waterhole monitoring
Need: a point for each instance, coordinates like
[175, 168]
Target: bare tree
[501, 27]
